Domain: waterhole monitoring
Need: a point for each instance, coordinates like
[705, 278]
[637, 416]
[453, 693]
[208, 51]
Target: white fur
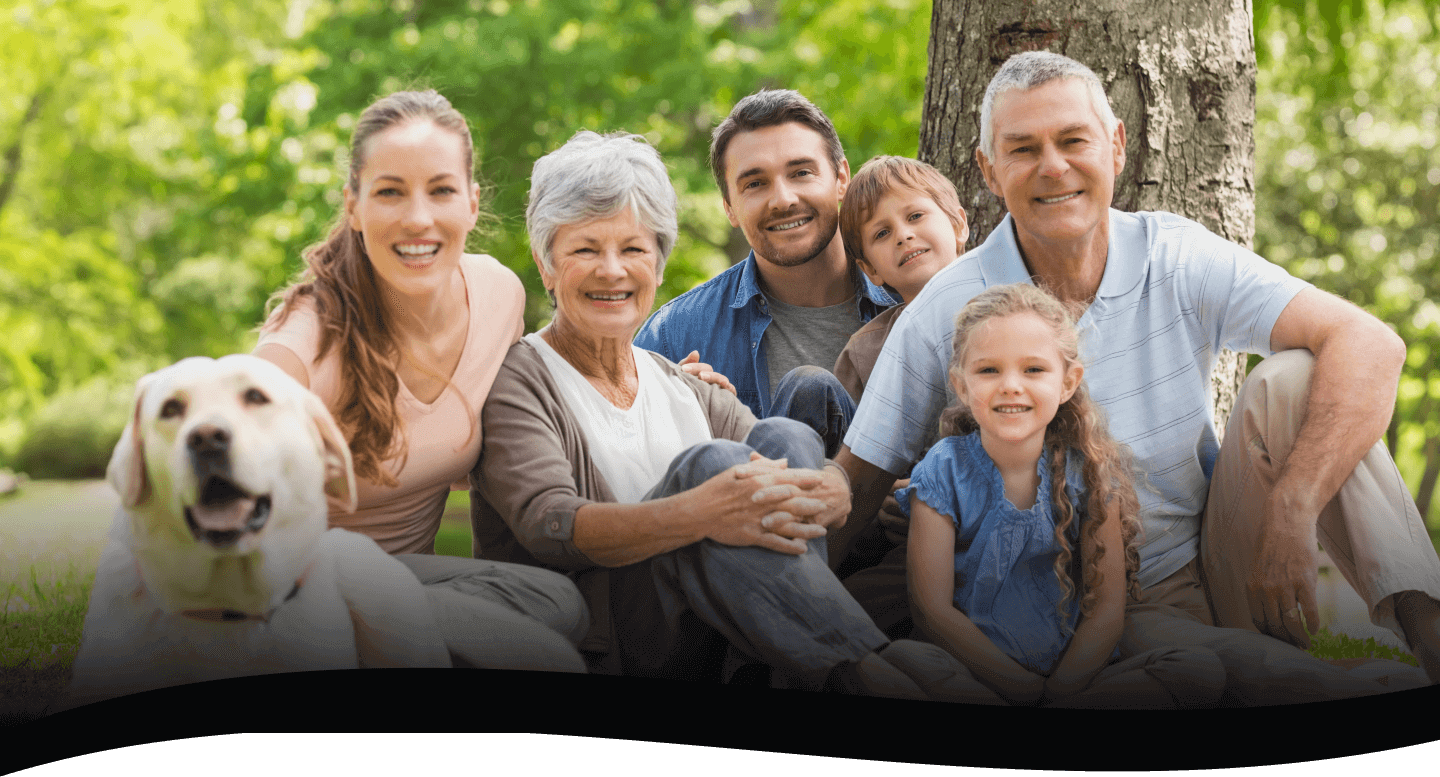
[356, 606]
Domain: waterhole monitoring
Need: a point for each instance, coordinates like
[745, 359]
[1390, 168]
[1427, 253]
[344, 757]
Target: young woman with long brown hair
[401, 333]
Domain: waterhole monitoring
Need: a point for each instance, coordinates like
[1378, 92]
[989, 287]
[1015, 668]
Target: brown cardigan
[535, 471]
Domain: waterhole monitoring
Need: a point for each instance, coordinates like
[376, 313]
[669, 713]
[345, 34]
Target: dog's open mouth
[224, 511]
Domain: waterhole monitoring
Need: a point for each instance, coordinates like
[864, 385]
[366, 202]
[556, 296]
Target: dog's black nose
[208, 438]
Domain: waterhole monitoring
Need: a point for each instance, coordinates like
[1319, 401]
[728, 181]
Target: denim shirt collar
[873, 299]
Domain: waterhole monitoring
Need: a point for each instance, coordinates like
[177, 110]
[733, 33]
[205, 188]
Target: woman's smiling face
[604, 276]
[415, 204]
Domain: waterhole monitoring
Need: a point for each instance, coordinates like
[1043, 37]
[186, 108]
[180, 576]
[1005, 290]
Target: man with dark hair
[775, 323]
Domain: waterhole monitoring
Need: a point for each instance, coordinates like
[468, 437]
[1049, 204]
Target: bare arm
[1097, 634]
[1352, 396]
[930, 570]
[869, 485]
[285, 359]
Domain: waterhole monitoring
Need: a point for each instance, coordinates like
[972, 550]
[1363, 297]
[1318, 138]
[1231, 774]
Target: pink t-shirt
[406, 518]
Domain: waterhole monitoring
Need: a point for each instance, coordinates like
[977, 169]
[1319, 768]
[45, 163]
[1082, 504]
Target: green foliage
[182, 153]
[1348, 185]
[75, 432]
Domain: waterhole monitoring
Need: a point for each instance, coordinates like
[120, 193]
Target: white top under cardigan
[632, 448]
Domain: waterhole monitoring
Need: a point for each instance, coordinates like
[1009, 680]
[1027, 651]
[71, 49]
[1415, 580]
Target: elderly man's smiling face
[1054, 165]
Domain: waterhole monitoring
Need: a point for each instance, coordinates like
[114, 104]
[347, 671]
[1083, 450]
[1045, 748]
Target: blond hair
[1079, 425]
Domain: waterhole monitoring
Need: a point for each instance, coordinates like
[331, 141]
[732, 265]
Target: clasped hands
[787, 508]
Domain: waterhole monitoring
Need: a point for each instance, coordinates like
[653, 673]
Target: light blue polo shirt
[1172, 296]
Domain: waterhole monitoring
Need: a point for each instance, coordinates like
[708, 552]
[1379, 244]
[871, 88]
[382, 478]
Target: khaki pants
[1371, 529]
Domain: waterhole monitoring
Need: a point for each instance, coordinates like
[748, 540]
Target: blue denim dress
[1004, 556]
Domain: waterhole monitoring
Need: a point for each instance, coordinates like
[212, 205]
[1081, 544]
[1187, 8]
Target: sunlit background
[164, 162]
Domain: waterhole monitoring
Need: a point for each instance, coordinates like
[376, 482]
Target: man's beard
[796, 255]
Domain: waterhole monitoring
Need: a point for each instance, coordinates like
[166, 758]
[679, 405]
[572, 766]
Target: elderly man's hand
[692, 365]
[892, 520]
[1282, 582]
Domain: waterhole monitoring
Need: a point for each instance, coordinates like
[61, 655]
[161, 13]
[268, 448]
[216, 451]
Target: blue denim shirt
[724, 319]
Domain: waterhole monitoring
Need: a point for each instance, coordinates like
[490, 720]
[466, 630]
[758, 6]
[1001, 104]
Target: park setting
[164, 164]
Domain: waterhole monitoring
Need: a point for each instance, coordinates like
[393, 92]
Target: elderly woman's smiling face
[603, 274]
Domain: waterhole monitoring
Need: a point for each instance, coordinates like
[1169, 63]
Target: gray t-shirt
[798, 336]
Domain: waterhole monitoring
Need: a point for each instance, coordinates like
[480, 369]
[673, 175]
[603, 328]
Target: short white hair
[1030, 69]
[595, 177]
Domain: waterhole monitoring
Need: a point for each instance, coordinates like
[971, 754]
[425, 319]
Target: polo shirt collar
[1124, 261]
[749, 286]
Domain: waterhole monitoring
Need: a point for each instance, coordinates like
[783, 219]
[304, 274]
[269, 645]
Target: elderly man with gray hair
[1300, 461]
[692, 530]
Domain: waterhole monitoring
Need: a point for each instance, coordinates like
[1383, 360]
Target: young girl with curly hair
[1023, 524]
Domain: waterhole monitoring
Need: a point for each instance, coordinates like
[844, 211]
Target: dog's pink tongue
[231, 516]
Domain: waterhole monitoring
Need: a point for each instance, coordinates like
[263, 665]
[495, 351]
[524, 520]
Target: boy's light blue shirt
[724, 319]
[1172, 296]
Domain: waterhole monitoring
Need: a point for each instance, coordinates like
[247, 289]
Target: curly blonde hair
[1079, 425]
[340, 280]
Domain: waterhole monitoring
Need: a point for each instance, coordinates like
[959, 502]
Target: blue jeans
[814, 397]
[676, 614]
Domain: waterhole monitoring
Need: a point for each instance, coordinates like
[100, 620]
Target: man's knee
[808, 378]
[1284, 373]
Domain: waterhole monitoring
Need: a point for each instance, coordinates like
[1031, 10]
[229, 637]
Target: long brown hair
[1079, 425]
[340, 280]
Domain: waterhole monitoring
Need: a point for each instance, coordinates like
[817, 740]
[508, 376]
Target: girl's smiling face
[1013, 381]
[415, 205]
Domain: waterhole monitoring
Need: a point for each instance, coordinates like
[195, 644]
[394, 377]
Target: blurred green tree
[1348, 181]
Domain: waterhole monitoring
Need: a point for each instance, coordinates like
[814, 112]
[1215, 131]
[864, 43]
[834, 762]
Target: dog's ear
[126, 471]
[339, 471]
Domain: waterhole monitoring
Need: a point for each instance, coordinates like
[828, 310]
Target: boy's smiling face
[907, 239]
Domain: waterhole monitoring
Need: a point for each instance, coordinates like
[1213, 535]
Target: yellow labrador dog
[219, 563]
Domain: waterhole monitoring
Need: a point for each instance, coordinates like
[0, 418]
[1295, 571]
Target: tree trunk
[1180, 74]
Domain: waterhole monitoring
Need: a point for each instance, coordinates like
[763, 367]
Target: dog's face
[224, 468]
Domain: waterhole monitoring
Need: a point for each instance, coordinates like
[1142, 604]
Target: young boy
[902, 223]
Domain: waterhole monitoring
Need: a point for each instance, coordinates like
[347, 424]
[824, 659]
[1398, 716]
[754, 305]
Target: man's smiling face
[1054, 165]
[784, 193]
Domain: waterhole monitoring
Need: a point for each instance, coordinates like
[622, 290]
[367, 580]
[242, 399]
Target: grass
[1343, 646]
[50, 542]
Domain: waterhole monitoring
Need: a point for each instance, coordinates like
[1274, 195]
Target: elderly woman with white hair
[694, 532]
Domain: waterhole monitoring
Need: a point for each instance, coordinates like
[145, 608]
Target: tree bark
[1180, 75]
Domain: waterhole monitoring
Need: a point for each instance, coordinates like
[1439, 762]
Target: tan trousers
[1371, 529]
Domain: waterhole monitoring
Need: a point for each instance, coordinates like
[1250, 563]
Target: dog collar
[223, 615]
